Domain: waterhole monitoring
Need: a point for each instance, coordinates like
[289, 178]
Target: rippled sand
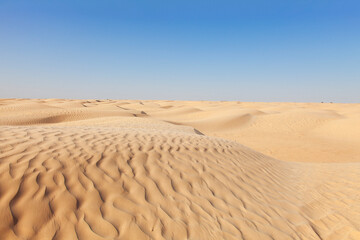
[87, 169]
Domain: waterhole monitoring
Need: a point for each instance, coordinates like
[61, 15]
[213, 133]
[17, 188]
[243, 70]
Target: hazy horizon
[181, 50]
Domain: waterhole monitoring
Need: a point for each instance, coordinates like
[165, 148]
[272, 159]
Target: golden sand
[91, 169]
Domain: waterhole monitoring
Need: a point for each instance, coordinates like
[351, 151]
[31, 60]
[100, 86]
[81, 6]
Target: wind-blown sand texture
[91, 169]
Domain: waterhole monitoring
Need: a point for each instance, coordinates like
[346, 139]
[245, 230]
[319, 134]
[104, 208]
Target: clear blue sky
[303, 50]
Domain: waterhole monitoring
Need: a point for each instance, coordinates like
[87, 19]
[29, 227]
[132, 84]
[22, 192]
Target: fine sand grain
[104, 169]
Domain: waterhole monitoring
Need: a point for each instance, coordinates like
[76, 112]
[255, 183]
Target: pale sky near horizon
[296, 51]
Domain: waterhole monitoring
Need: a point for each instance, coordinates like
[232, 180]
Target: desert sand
[126, 169]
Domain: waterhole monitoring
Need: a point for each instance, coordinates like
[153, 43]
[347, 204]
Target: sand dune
[104, 169]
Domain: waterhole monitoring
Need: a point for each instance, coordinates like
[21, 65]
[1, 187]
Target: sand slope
[149, 170]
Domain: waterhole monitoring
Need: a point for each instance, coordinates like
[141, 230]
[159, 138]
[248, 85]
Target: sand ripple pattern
[67, 182]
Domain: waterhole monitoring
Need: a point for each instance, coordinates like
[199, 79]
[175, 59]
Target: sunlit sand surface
[104, 169]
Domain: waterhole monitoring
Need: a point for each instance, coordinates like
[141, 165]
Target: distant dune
[126, 169]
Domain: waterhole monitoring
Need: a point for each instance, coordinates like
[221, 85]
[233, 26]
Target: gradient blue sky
[302, 51]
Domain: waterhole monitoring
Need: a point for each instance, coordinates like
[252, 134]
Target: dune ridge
[300, 132]
[129, 172]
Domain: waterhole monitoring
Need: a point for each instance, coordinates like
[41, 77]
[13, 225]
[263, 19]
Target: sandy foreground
[106, 169]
